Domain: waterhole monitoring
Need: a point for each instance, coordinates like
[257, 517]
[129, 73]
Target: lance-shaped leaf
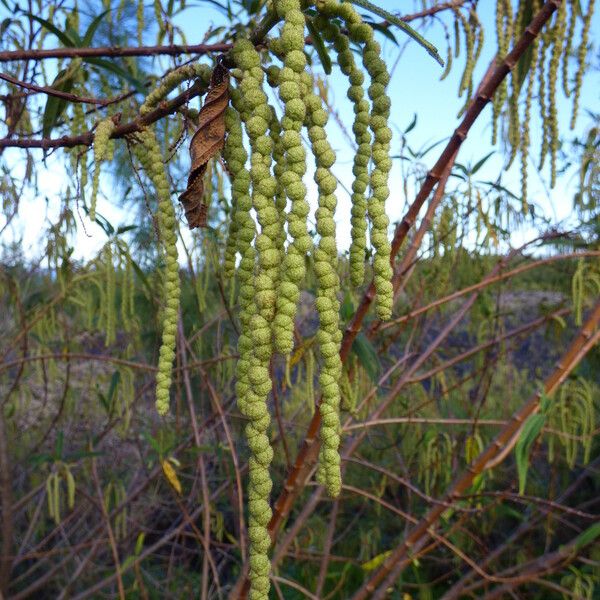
[530, 432]
[207, 141]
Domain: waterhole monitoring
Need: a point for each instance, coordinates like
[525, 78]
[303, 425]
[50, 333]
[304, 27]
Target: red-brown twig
[112, 52]
[418, 535]
[49, 91]
[87, 139]
[171, 50]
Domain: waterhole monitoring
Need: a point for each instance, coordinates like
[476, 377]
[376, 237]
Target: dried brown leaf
[206, 143]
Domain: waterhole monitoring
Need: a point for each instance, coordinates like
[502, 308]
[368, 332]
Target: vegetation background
[496, 314]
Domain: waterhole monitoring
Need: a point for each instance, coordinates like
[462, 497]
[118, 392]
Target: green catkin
[278, 171]
[83, 176]
[577, 288]
[568, 47]
[478, 34]
[449, 58]
[230, 150]
[514, 126]
[525, 131]
[456, 36]
[77, 126]
[310, 381]
[497, 99]
[504, 28]
[158, 15]
[544, 44]
[101, 322]
[102, 135]
[259, 333]
[291, 46]
[171, 81]
[245, 236]
[378, 122]
[110, 294]
[360, 168]
[382, 164]
[557, 48]
[140, 21]
[467, 76]
[126, 308]
[479, 41]
[325, 266]
[120, 9]
[150, 156]
[131, 290]
[581, 58]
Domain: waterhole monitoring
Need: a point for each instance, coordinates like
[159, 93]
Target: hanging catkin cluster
[101, 153]
[552, 46]
[536, 76]
[256, 347]
[378, 122]
[268, 229]
[150, 156]
[329, 335]
[291, 46]
[341, 43]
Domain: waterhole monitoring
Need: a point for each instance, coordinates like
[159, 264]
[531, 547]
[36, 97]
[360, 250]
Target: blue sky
[415, 89]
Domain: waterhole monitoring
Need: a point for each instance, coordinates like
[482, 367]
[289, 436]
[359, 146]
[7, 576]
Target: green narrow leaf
[104, 402]
[89, 34]
[385, 32]
[376, 561]
[61, 35]
[412, 125]
[58, 446]
[5, 25]
[55, 106]
[114, 381]
[531, 429]
[347, 307]
[480, 163]
[141, 275]
[125, 228]
[113, 68]
[367, 356]
[152, 441]
[587, 537]
[394, 20]
[319, 46]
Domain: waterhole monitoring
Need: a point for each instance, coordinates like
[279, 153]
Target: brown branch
[543, 565]
[327, 544]
[121, 131]
[418, 535]
[485, 345]
[68, 356]
[170, 50]
[53, 92]
[109, 529]
[205, 537]
[6, 501]
[527, 525]
[112, 51]
[163, 109]
[487, 281]
[428, 12]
